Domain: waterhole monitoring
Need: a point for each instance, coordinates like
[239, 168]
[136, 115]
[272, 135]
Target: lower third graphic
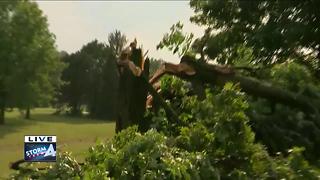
[40, 148]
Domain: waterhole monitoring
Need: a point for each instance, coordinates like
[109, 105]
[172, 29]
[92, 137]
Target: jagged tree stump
[132, 92]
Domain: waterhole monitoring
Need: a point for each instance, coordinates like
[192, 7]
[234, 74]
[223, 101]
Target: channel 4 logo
[40, 148]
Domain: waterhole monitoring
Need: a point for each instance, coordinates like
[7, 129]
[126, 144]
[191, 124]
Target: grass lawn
[73, 134]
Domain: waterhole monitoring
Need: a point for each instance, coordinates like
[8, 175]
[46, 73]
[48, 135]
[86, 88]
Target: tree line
[91, 78]
[34, 73]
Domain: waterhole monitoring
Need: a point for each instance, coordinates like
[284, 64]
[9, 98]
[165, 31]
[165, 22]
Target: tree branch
[219, 75]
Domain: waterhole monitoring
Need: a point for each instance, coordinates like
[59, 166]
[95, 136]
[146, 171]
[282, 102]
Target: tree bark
[2, 114]
[171, 114]
[75, 109]
[132, 91]
[27, 113]
[2, 107]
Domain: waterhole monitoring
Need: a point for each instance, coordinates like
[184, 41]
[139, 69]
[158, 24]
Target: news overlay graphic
[40, 148]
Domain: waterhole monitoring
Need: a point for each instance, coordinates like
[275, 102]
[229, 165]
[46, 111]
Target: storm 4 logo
[40, 148]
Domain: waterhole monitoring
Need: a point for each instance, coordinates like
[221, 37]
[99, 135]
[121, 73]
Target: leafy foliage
[280, 127]
[293, 77]
[227, 41]
[217, 142]
[291, 25]
[177, 41]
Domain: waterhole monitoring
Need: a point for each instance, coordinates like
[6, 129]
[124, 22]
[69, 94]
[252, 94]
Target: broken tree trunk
[132, 89]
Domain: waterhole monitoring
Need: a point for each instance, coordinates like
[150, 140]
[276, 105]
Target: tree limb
[219, 75]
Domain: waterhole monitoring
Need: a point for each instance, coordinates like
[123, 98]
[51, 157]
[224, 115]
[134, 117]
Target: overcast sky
[76, 23]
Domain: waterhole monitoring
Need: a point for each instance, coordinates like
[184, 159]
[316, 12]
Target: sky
[76, 23]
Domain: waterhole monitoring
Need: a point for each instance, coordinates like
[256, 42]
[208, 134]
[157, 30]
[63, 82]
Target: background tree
[92, 78]
[72, 92]
[32, 68]
[275, 30]
[154, 65]
[6, 9]
[117, 41]
[102, 88]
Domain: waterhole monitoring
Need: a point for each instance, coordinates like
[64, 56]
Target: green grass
[73, 134]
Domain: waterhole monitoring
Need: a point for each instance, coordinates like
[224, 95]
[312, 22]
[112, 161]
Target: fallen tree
[199, 72]
[136, 84]
[192, 70]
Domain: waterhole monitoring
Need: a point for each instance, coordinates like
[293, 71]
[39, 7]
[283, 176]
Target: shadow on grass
[66, 119]
[16, 124]
[12, 125]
